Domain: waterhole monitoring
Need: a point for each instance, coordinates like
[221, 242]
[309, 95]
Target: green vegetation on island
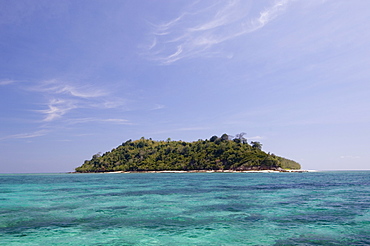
[217, 153]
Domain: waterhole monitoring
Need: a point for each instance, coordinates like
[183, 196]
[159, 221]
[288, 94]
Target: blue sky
[81, 77]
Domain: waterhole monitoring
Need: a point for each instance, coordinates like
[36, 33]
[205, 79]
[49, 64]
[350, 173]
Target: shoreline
[210, 171]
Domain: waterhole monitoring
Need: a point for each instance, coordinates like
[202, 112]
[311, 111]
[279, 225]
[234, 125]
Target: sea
[314, 208]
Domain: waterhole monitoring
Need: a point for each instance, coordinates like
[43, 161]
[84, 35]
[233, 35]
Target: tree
[97, 155]
[213, 138]
[241, 137]
[224, 137]
[236, 140]
[256, 145]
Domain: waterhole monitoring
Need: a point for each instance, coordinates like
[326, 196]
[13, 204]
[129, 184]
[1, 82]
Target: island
[221, 154]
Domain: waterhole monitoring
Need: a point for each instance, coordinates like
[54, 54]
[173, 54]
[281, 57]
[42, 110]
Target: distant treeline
[217, 153]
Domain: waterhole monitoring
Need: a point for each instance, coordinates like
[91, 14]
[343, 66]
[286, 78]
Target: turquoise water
[324, 208]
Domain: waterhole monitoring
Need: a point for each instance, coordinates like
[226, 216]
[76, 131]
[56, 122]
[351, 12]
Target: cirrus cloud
[197, 30]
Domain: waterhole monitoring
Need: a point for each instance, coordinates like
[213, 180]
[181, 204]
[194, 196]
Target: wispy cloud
[349, 157]
[63, 97]
[6, 82]
[199, 29]
[99, 120]
[117, 121]
[170, 129]
[25, 135]
[158, 106]
[55, 86]
[269, 14]
[255, 138]
[197, 128]
[66, 103]
[56, 109]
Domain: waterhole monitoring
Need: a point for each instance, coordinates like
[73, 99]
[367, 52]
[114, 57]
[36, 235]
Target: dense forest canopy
[217, 153]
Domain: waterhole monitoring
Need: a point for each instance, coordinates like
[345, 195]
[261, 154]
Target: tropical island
[223, 153]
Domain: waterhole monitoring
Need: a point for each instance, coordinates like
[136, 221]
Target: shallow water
[324, 208]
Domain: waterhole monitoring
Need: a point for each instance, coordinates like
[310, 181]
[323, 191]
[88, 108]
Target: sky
[82, 77]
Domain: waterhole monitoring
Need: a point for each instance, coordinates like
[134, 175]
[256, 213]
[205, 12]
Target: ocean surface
[323, 208]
